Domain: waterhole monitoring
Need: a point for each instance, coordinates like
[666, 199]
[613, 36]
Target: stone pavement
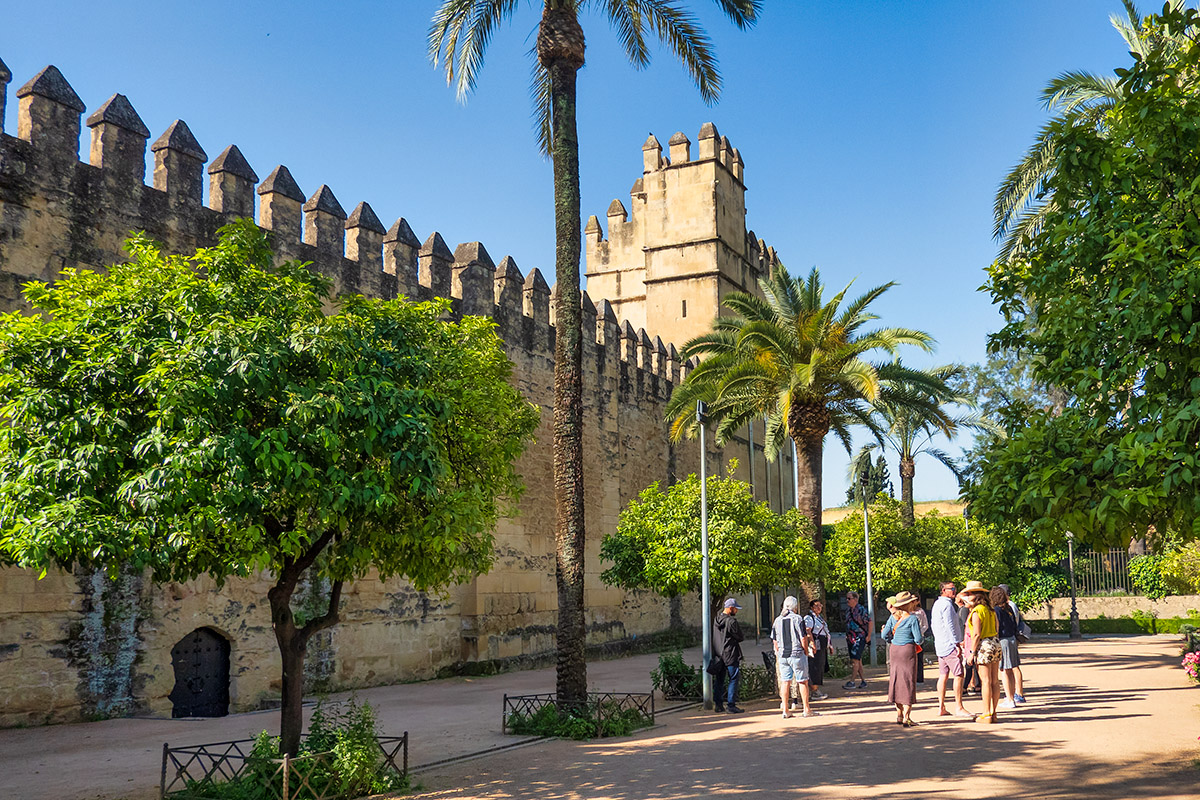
[1107, 718]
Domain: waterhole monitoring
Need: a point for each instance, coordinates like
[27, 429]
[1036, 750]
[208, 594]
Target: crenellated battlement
[682, 244]
[44, 177]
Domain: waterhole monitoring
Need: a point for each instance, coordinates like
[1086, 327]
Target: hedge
[1114, 625]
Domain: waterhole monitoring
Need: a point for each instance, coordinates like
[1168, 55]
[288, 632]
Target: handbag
[716, 666]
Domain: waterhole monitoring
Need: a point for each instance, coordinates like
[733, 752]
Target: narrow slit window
[685, 308]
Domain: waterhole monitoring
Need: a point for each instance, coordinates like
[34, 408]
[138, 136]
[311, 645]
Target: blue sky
[873, 134]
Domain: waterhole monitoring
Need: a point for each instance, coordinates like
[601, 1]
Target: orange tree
[203, 416]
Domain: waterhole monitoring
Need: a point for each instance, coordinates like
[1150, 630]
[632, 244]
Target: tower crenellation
[667, 261]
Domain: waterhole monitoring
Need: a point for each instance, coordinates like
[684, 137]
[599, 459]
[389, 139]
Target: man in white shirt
[948, 639]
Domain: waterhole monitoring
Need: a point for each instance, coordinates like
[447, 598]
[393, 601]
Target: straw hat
[903, 599]
[974, 587]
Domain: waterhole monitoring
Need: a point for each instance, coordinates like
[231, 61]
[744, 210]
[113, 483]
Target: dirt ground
[1107, 718]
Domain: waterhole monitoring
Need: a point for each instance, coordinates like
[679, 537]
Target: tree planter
[602, 714]
[205, 771]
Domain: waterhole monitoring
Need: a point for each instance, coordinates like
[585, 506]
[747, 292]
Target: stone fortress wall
[84, 645]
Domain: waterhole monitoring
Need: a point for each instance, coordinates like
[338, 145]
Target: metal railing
[195, 772]
[601, 707]
[1103, 573]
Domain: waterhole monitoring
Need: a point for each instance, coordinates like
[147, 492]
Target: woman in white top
[815, 619]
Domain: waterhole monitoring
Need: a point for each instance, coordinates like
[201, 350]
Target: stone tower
[683, 245]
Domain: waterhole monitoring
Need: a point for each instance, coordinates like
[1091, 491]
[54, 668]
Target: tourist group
[976, 634]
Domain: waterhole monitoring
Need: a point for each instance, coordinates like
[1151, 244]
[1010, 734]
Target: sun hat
[731, 603]
[903, 599]
[974, 587]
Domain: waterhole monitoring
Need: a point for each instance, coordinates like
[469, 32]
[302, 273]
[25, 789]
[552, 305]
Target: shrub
[339, 759]
[756, 682]
[675, 678]
[1146, 574]
[603, 719]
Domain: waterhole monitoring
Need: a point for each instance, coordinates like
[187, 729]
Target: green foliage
[839, 665]
[657, 543]
[1104, 302]
[937, 548]
[1039, 586]
[593, 720]
[1137, 623]
[204, 416]
[1146, 573]
[675, 678]
[339, 760]
[797, 358]
[878, 478]
[1181, 568]
[756, 681]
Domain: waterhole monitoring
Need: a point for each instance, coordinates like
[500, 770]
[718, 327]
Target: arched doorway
[201, 663]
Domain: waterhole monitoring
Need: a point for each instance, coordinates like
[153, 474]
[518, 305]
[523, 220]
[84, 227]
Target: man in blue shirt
[948, 643]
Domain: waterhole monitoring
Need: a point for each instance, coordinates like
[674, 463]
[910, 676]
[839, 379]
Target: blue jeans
[725, 686]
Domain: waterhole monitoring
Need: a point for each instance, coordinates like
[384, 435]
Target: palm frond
[625, 16]
[543, 108]
[742, 13]
[459, 35]
[679, 30]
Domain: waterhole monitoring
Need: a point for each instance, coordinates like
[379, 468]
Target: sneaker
[1020, 699]
[862, 684]
[848, 685]
[1007, 704]
[732, 709]
[818, 696]
[719, 709]
[810, 714]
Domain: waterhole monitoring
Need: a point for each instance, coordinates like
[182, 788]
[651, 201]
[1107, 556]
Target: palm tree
[908, 420]
[458, 38]
[799, 360]
[1076, 98]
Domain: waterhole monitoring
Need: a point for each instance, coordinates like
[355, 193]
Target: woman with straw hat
[983, 647]
[903, 633]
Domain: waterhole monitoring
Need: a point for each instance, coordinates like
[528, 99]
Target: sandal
[986, 719]
[908, 723]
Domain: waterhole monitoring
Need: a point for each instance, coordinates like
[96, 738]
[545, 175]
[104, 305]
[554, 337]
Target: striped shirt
[788, 631]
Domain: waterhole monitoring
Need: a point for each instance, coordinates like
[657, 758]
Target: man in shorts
[792, 641]
[948, 643]
[858, 637]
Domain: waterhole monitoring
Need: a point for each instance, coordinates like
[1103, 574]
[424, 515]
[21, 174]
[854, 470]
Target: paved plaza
[1107, 718]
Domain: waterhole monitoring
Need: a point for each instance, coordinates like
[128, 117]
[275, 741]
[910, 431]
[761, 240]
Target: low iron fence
[196, 772]
[600, 707]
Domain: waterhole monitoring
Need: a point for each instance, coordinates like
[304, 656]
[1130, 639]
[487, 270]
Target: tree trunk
[808, 423]
[293, 641]
[907, 470]
[560, 51]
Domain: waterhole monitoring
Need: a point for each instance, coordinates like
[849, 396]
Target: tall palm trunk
[907, 470]
[808, 424]
[560, 48]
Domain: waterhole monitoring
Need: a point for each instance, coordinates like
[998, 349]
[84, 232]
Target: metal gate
[201, 662]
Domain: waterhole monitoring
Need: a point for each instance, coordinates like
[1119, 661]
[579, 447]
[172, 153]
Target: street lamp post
[705, 598]
[865, 482]
[1075, 632]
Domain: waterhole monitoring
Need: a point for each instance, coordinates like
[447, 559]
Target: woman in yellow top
[983, 647]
